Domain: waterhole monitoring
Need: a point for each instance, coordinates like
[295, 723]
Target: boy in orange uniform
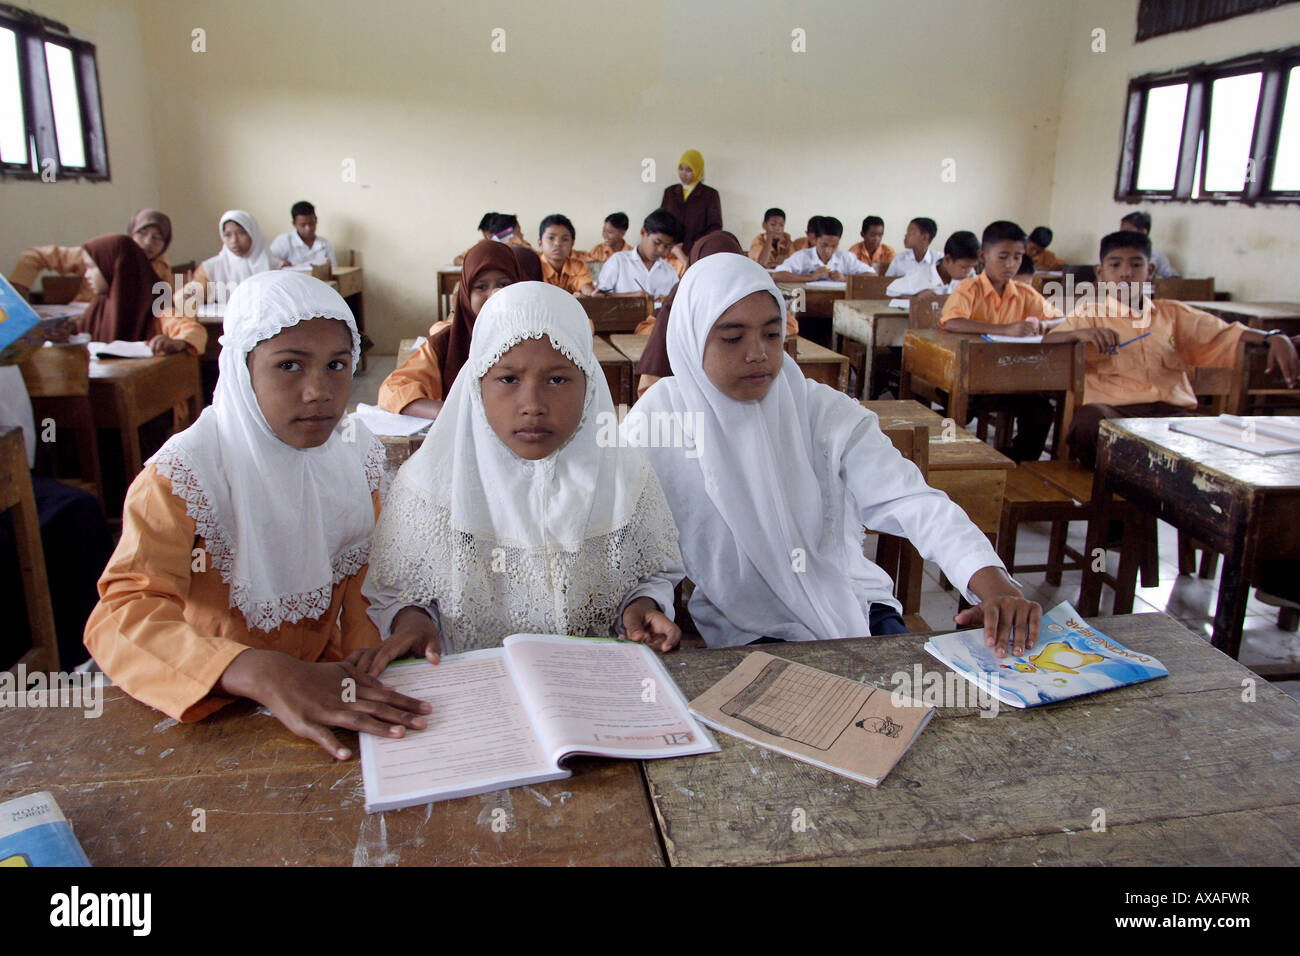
[871, 250]
[1036, 249]
[611, 239]
[559, 265]
[772, 246]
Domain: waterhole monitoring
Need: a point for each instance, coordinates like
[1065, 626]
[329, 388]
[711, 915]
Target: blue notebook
[22, 331]
[34, 832]
[1070, 659]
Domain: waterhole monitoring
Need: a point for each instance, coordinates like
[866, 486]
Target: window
[1214, 133]
[51, 119]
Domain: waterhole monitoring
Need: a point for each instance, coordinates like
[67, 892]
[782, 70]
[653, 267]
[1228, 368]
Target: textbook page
[479, 737]
[610, 698]
[119, 348]
[829, 721]
[1014, 339]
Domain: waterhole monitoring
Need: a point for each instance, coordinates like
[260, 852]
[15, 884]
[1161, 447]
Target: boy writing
[644, 269]
[824, 260]
[300, 245]
[960, 256]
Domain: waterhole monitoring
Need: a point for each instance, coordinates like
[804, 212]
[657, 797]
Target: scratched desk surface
[131, 780]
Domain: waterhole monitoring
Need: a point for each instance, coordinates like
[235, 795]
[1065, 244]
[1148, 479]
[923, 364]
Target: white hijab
[760, 497]
[229, 268]
[504, 545]
[283, 525]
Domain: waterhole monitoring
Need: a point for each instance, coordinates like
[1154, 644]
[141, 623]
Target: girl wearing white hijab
[519, 513]
[246, 537]
[244, 253]
[772, 501]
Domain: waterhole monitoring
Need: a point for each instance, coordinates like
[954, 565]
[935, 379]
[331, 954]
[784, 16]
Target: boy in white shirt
[961, 253]
[917, 250]
[300, 245]
[823, 259]
[644, 268]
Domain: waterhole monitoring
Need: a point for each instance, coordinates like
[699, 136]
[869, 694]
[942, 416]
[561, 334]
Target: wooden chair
[1252, 389]
[60, 290]
[897, 556]
[16, 498]
[1186, 290]
[866, 286]
[616, 313]
[354, 258]
[58, 381]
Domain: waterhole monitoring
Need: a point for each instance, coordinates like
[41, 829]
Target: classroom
[397, 505]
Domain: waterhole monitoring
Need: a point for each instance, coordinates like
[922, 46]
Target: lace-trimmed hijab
[283, 525]
[503, 545]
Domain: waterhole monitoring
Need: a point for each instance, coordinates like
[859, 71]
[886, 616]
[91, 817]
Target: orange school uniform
[166, 633]
[783, 248]
[67, 261]
[417, 377]
[800, 243]
[881, 258]
[571, 278]
[1152, 369]
[1046, 261]
[601, 252]
[976, 299]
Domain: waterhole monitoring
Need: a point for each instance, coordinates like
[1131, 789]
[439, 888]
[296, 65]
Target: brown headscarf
[451, 344]
[530, 264]
[152, 217]
[654, 360]
[125, 311]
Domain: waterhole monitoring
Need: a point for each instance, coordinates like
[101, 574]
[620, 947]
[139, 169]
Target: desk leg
[1234, 588]
[904, 384]
[1098, 529]
[958, 404]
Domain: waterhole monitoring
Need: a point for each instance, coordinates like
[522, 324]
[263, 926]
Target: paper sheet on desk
[121, 349]
[826, 285]
[1268, 435]
[390, 424]
[1018, 339]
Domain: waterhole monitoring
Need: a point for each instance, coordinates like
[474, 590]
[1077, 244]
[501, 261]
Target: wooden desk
[965, 365]
[126, 393]
[448, 279]
[818, 306]
[618, 371]
[1018, 789]
[1258, 315]
[1239, 504]
[973, 474]
[130, 780]
[821, 364]
[610, 314]
[633, 346]
[863, 329]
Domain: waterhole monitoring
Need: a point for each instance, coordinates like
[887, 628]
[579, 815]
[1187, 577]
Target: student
[960, 257]
[871, 250]
[559, 266]
[697, 207]
[122, 278]
[809, 236]
[1025, 272]
[644, 268]
[772, 246]
[916, 241]
[772, 499]
[243, 254]
[611, 239]
[245, 539]
[484, 229]
[994, 303]
[1161, 268]
[150, 228]
[1138, 356]
[824, 260]
[1036, 249]
[420, 384]
[518, 513]
[300, 245]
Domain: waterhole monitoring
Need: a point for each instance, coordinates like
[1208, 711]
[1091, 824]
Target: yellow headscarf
[693, 159]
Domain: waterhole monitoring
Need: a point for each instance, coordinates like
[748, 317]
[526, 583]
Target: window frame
[32, 32]
[1274, 67]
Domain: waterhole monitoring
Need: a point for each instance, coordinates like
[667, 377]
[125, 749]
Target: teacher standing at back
[697, 207]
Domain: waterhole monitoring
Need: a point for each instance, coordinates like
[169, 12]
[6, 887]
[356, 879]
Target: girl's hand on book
[309, 699]
[413, 634]
[644, 623]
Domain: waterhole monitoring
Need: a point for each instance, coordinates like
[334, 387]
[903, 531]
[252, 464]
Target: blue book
[34, 832]
[22, 331]
[1071, 659]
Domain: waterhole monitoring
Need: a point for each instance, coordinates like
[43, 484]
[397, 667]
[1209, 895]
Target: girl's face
[302, 378]
[743, 352]
[237, 240]
[533, 398]
[98, 284]
[150, 239]
[686, 174]
[485, 284]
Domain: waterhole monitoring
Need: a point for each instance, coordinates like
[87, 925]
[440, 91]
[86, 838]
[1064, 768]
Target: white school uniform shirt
[925, 279]
[1164, 268]
[905, 261]
[289, 247]
[625, 272]
[806, 261]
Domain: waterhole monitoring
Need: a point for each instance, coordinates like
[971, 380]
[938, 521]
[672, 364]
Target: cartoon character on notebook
[1058, 657]
[880, 725]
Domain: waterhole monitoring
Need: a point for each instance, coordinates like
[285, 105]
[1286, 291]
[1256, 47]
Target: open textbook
[1070, 659]
[831, 722]
[507, 716]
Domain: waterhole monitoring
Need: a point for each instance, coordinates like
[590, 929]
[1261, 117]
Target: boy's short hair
[812, 224]
[773, 212]
[302, 208]
[499, 222]
[618, 220]
[1041, 236]
[556, 220]
[486, 221]
[1026, 267]
[927, 226]
[1002, 231]
[872, 221]
[962, 245]
[662, 221]
[828, 226]
[1139, 220]
[1124, 239]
